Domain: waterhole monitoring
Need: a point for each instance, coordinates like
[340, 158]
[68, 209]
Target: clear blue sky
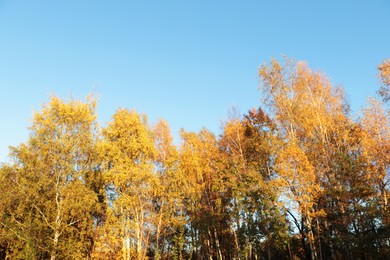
[185, 61]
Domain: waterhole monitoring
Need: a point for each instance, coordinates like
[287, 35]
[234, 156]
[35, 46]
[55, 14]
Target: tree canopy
[296, 177]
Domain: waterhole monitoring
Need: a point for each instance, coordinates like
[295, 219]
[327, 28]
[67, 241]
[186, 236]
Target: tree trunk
[57, 223]
[217, 244]
[157, 253]
[55, 244]
[269, 252]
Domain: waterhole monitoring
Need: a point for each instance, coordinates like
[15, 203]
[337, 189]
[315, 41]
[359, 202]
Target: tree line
[295, 178]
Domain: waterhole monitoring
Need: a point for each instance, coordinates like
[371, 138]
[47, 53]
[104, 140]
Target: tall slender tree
[131, 184]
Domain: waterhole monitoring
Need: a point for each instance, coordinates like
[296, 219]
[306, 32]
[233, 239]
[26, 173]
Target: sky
[188, 62]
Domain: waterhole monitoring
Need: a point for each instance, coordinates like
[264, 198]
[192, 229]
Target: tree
[329, 166]
[168, 202]
[306, 109]
[384, 76]
[376, 151]
[258, 223]
[207, 196]
[54, 202]
[131, 183]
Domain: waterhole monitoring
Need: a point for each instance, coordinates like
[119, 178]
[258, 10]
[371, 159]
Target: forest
[296, 177]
